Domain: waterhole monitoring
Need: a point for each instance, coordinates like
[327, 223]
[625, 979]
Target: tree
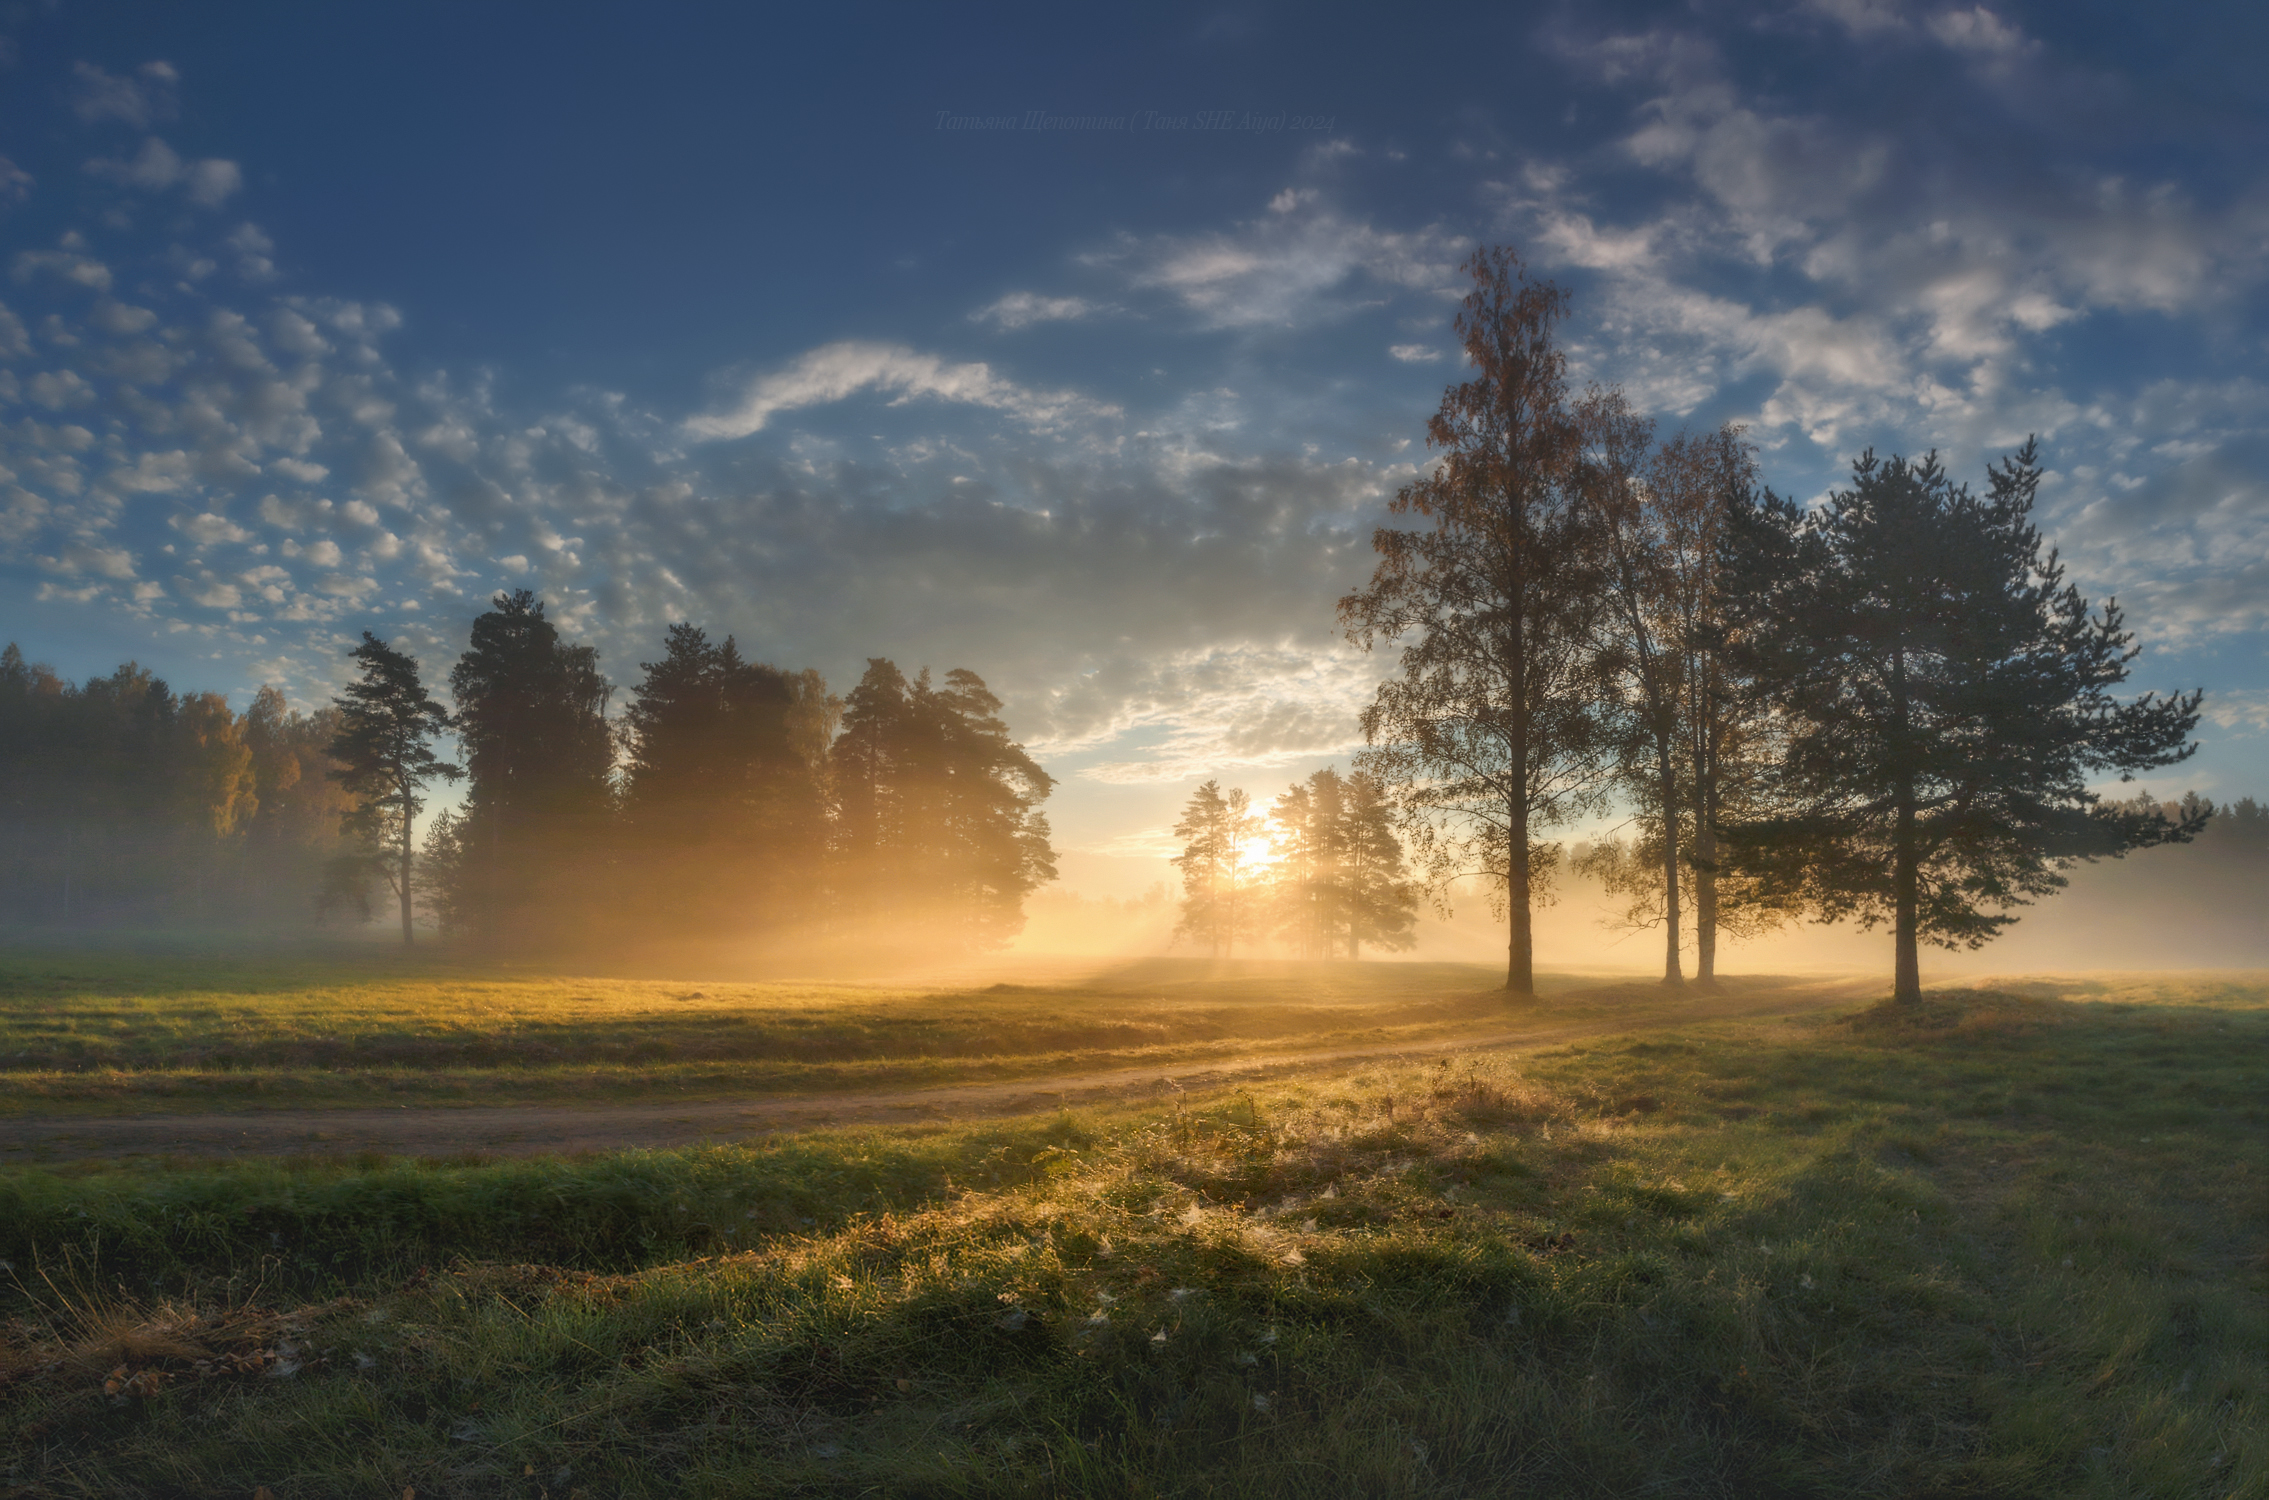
[1310, 868]
[1341, 876]
[1492, 732]
[722, 789]
[384, 747]
[1381, 900]
[1686, 754]
[1217, 907]
[1945, 697]
[531, 710]
[939, 832]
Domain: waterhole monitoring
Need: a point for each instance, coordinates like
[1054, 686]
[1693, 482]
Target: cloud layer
[1129, 489]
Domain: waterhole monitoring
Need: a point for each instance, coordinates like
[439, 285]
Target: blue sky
[1080, 352]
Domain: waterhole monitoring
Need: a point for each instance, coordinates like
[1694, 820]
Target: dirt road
[562, 1129]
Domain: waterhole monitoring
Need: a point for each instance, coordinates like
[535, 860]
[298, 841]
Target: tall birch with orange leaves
[1493, 731]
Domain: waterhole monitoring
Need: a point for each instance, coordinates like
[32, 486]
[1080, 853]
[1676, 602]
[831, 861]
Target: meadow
[173, 1031]
[2013, 1244]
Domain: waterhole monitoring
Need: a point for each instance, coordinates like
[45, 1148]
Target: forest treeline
[729, 799]
[1888, 707]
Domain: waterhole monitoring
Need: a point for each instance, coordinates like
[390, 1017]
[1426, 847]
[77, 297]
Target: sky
[1080, 351]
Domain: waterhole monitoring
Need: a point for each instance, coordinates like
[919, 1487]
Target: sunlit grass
[2011, 1246]
[89, 1033]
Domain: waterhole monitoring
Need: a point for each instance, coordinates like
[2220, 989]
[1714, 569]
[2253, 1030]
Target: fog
[2196, 906]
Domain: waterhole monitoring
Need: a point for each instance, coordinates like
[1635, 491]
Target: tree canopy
[1493, 731]
[1945, 699]
[384, 749]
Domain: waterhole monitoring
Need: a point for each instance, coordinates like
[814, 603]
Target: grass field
[2014, 1245]
[98, 1032]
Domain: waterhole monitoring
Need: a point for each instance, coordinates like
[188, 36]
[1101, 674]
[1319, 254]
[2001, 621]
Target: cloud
[141, 99]
[837, 371]
[1415, 354]
[2186, 548]
[1023, 309]
[15, 183]
[2246, 712]
[206, 529]
[102, 562]
[66, 263]
[1283, 268]
[1220, 710]
[1979, 31]
[157, 166]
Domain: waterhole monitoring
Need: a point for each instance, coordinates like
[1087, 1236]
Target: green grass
[2010, 1246]
[82, 1033]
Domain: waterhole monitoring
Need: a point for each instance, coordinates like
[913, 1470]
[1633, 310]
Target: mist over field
[1161, 752]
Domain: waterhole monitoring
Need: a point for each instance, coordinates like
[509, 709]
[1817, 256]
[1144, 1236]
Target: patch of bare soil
[558, 1130]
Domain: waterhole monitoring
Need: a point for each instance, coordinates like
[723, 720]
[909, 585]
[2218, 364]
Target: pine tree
[384, 747]
[1946, 697]
[721, 792]
[1493, 732]
[1380, 900]
[1309, 872]
[531, 710]
[1219, 904]
[939, 836]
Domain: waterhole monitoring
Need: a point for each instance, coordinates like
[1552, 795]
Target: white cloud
[1415, 354]
[142, 99]
[1219, 710]
[66, 263]
[1281, 269]
[102, 562]
[1022, 309]
[15, 183]
[206, 529]
[2238, 709]
[299, 469]
[1978, 30]
[158, 166]
[212, 593]
[834, 372]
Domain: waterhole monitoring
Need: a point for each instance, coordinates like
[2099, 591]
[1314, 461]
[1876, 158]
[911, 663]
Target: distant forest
[729, 799]
[1887, 708]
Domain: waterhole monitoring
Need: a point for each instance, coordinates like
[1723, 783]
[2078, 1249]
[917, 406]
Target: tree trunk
[1520, 946]
[1906, 984]
[1706, 852]
[1906, 975]
[1520, 950]
[1672, 972]
[407, 940]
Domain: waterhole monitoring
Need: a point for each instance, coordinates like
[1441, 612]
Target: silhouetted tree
[1311, 844]
[1218, 903]
[1492, 731]
[1946, 696]
[531, 710]
[722, 792]
[1341, 876]
[1381, 900]
[384, 750]
[938, 823]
